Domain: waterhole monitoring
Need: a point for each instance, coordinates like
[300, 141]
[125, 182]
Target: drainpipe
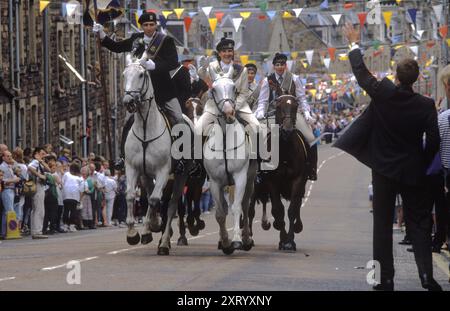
[46, 79]
[11, 55]
[83, 87]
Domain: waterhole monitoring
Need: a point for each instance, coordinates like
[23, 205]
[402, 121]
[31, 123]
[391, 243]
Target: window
[228, 34]
[2, 139]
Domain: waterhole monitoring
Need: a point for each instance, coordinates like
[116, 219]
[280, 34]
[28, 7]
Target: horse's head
[286, 113]
[137, 85]
[224, 93]
[193, 108]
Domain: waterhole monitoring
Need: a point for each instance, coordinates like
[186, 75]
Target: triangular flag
[448, 42]
[413, 14]
[332, 52]
[420, 33]
[234, 5]
[349, 6]
[245, 15]
[443, 30]
[212, 24]
[271, 14]
[294, 55]
[207, 10]
[438, 11]
[179, 11]
[70, 8]
[244, 59]
[415, 49]
[333, 76]
[136, 17]
[309, 56]
[326, 62]
[166, 13]
[209, 52]
[187, 23]
[362, 18]
[324, 5]
[219, 16]
[286, 14]
[236, 23]
[313, 92]
[42, 5]
[398, 2]
[336, 17]
[298, 12]
[192, 14]
[262, 17]
[263, 5]
[387, 17]
[305, 65]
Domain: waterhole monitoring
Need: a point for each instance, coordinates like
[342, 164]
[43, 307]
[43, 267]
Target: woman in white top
[72, 186]
[110, 194]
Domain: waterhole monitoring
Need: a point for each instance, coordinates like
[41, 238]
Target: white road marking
[7, 279]
[64, 265]
[318, 170]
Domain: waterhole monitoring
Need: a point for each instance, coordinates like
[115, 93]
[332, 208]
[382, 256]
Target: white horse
[148, 156]
[226, 160]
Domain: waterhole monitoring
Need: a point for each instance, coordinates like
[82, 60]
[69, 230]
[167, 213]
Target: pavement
[332, 251]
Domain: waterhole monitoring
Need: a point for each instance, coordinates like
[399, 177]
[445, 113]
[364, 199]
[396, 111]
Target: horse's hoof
[133, 240]
[182, 241]
[228, 250]
[247, 247]
[236, 245]
[155, 228]
[266, 225]
[193, 230]
[280, 246]
[219, 245]
[298, 226]
[200, 225]
[277, 225]
[289, 246]
[146, 238]
[163, 251]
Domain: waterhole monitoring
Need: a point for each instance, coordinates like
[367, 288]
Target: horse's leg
[178, 185]
[247, 240]
[146, 232]
[196, 197]
[240, 180]
[251, 212]
[153, 221]
[133, 237]
[278, 213]
[294, 214]
[221, 216]
[190, 215]
[265, 223]
[182, 241]
[298, 226]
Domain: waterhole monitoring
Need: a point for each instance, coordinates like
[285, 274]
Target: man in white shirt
[9, 189]
[291, 84]
[254, 88]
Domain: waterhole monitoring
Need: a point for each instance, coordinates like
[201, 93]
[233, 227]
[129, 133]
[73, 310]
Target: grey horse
[148, 157]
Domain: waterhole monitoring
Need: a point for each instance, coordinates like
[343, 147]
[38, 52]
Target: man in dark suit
[161, 61]
[389, 139]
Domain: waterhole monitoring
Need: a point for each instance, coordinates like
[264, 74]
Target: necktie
[280, 80]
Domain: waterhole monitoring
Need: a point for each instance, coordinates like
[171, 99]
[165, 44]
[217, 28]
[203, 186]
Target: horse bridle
[222, 101]
[139, 95]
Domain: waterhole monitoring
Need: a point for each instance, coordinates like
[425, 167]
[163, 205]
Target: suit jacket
[388, 136]
[165, 60]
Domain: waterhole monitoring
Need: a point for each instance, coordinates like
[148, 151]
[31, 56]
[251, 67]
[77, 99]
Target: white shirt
[263, 100]
[110, 187]
[72, 186]
[444, 133]
[225, 67]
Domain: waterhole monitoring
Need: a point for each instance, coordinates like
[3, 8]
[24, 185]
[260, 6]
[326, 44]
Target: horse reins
[139, 100]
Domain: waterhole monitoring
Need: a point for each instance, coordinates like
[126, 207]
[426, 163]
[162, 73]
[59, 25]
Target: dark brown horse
[288, 180]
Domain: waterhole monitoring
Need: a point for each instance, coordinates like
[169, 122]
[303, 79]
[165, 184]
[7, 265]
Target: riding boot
[312, 163]
[120, 163]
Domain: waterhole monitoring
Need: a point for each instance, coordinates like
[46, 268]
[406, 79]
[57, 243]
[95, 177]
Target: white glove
[147, 63]
[259, 114]
[98, 29]
[193, 73]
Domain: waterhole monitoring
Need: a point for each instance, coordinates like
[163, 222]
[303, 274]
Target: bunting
[336, 17]
[219, 16]
[332, 53]
[362, 18]
[438, 11]
[244, 59]
[166, 13]
[212, 24]
[245, 15]
[187, 23]
[443, 30]
[271, 14]
[179, 12]
[207, 10]
[298, 12]
[42, 5]
[237, 22]
[309, 56]
[387, 17]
